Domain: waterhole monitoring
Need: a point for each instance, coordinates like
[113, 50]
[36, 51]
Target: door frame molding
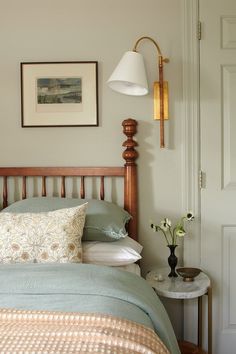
[191, 149]
[191, 126]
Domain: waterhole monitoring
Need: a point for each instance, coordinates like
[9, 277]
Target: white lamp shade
[129, 77]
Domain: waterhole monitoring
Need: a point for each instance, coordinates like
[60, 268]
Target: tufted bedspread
[32, 332]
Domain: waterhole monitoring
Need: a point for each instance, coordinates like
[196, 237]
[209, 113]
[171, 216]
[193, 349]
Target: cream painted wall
[99, 30]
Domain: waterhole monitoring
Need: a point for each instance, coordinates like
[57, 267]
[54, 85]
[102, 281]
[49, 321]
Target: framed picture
[60, 94]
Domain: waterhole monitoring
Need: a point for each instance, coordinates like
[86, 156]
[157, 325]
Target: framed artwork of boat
[59, 94]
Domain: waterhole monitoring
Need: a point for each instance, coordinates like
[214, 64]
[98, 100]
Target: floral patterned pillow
[49, 237]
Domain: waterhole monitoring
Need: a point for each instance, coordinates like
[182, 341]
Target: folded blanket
[57, 332]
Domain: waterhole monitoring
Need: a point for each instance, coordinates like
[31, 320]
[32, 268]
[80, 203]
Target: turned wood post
[5, 193]
[130, 183]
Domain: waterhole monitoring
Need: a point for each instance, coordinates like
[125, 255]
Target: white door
[218, 163]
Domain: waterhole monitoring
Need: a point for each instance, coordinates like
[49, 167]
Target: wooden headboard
[128, 172]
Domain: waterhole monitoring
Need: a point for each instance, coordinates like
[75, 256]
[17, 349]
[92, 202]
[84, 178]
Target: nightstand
[176, 288]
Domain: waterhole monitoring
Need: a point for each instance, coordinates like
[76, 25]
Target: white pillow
[132, 268]
[117, 253]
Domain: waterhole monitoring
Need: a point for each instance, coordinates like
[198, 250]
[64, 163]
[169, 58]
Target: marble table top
[176, 288]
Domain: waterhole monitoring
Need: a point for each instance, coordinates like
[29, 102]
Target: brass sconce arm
[160, 90]
[165, 60]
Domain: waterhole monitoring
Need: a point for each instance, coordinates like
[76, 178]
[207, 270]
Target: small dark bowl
[188, 274]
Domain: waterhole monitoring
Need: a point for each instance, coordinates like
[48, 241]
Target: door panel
[218, 162]
[229, 125]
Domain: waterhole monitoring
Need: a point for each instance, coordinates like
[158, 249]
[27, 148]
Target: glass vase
[172, 261]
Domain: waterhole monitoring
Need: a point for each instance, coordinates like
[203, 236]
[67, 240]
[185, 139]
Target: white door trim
[191, 146]
[191, 149]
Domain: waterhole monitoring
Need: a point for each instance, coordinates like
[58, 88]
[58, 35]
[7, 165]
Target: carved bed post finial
[130, 189]
[130, 129]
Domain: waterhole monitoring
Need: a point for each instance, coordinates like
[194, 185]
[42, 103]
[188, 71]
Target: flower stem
[172, 235]
[165, 237]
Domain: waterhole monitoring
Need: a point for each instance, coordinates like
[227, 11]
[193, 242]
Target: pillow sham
[132, 268]
[105, 221]
[122, 252]
[42, 237]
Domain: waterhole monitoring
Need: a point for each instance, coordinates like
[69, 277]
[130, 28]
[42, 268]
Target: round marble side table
[176, 288]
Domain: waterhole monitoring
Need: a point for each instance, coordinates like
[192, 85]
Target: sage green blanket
[85, 288]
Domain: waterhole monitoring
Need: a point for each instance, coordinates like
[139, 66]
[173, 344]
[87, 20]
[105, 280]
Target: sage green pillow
[104, 221]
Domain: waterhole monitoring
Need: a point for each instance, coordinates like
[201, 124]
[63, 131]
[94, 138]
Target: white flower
[168, 222]
[189, 216]
[165, 224]
[180, 232]
[171, 234]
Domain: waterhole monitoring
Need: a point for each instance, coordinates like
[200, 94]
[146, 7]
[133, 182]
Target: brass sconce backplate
[156, 95]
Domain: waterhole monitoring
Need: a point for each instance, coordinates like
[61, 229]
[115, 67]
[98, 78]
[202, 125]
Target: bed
[52, 300]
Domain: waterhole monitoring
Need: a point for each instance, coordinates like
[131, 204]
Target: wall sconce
[129, 78]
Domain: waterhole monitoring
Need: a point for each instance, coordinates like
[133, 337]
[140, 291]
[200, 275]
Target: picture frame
[59, 94]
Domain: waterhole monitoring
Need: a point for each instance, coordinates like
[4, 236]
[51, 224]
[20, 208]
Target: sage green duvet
[85, 288]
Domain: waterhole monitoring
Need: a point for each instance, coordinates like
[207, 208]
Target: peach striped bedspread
[47, 332]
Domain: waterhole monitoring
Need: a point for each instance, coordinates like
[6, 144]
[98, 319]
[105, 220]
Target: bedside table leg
[209, 293]
[199, 339]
